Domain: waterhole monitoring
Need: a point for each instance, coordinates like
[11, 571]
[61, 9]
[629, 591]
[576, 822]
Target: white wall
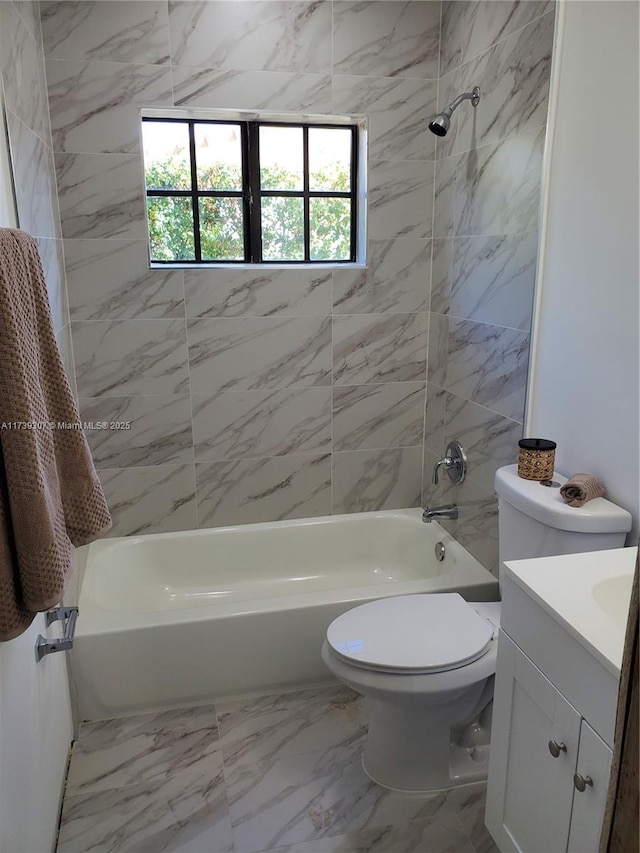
[35, 712]
[583, 390]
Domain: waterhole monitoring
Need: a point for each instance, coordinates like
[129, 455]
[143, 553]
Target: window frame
[252, 194]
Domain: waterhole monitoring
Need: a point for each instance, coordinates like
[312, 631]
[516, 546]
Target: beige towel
[581, 488]
[50, 495]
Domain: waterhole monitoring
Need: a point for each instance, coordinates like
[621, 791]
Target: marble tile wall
[487, 187]
[23, 81]
[263, 394]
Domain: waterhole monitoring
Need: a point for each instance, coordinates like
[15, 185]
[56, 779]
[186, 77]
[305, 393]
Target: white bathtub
[176, 618]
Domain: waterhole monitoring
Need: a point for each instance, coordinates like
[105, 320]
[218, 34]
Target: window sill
[261, 267]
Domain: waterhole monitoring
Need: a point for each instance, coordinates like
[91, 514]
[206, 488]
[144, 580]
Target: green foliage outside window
[221, 218]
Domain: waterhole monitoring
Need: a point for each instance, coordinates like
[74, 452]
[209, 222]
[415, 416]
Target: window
[229, 192]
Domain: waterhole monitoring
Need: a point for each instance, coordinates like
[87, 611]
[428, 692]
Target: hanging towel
[50, 497]
[581, 488]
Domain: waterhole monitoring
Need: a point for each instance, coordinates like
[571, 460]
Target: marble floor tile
[166, 815]
[290, 724]
[147, 748]
[431, 836]
[311, 796]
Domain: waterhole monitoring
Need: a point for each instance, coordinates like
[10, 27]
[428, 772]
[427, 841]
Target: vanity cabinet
[553, 723]
[539, 741]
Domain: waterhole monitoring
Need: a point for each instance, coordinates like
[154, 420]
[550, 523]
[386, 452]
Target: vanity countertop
[588, 594]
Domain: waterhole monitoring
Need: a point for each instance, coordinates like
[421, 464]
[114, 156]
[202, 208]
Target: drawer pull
[556, 748]
[581, 782]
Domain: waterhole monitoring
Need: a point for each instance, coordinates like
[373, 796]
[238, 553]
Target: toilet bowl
[427, 663]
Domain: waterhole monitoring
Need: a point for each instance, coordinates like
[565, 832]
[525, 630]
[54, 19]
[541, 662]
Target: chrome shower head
[441, 122]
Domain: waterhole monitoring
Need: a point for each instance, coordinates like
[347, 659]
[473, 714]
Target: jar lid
[536, 444]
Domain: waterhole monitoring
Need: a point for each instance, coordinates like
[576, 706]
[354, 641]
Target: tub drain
[440, 551]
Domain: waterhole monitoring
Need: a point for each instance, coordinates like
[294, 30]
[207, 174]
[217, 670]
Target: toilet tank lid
[545, 504]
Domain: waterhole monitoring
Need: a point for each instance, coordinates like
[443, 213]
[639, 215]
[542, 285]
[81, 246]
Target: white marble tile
[440, 835]
[368, 480]
[257, 293]
[438, 349]
[243, 424]
[395, 280]
[489, 21]
[264, 352]
[160, 430]
[493, 279]
[23, 74]
[52, 258]
[34, 179]
[449, 87]
[400, 197]
[379, 348]
[274, 36]
[454, 13]
[290, 724]
[29, 11]
[111, 280]
[476, 527]
[387, 39]
[251, 90]
[498, 186]
[398, 110]
[181, 744]
[254, 490]
[165, 815]
[488, 365]
[377, 416]
[155, 499]
[441, 275]
[444, 196]
[514, 78]
[434, 420]
[95, 106]
[127, 357]
[114, 30]
[489, 439]
[314, 796]
[101, 195]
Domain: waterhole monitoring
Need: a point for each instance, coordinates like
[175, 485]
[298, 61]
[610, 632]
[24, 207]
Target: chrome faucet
[444, 511]
[454, 463]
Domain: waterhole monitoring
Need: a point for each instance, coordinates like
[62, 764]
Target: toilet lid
[411, 633]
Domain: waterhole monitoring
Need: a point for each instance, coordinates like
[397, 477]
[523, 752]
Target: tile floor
[278, 773]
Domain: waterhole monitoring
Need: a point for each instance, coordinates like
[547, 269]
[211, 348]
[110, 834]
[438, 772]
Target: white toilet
[426, 662]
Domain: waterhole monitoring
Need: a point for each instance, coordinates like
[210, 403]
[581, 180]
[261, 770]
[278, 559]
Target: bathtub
[183, 618]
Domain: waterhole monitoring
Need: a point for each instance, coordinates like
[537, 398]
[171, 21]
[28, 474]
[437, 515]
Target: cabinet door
[594, 763]
[530, 791]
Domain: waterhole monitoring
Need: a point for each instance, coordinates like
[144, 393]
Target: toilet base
[415, 749]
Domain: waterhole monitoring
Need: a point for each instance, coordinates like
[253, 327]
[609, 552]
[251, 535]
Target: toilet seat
[411, 634]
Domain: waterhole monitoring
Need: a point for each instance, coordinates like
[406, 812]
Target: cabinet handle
[556, 748]
[581, 782]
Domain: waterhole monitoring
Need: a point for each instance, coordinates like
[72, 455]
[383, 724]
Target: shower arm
[473, 96]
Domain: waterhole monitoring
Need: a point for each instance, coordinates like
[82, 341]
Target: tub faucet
[444, 511]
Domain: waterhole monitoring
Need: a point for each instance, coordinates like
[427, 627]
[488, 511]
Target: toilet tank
[534, 520]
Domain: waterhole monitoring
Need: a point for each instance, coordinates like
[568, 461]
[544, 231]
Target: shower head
[441, 122]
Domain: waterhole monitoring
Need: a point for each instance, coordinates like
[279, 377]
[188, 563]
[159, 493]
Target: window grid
[252, 194]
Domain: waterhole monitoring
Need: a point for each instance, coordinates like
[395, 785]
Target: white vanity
[559, 655]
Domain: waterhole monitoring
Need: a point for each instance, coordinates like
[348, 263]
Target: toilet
[426, 662]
